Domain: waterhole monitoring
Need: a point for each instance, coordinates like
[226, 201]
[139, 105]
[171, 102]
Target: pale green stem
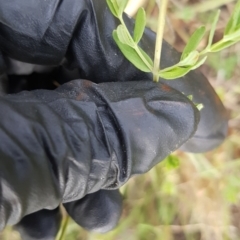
[159, 39]
[136, 47]
[64, 228]
[205, 51]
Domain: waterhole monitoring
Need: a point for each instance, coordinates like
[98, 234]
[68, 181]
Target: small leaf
[124, 37]
[149, 60]
[199, 106]
[140, 24]
[211, 34]
[174, 73]
[177, 71]
[121, 6]
[233, 23]
[232, 36]
[190, 60]
[131, 54]
[112, 6]
[193, 42]
[190, 97]
[219, 46]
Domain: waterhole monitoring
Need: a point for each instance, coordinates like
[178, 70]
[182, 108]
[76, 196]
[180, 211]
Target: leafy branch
[191, 58]
[128, 44]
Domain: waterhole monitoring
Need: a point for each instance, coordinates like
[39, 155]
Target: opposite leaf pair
[128, 44]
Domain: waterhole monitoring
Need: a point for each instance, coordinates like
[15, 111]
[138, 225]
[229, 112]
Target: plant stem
[159, 39]
[64, 227]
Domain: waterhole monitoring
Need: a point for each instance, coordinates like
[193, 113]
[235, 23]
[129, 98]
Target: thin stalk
[159, 40]
[64, 228]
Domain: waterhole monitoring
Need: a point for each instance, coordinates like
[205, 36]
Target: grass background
[188, 196]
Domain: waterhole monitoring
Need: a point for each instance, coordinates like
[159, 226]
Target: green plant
[191, 58]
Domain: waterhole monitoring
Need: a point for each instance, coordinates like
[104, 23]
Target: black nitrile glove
[58, 146]
[80, 34]
[98, 212]
[41, 225]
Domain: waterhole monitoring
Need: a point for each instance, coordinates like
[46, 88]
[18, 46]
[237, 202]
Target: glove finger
[3, 84]
[41, 225]
[97, 212]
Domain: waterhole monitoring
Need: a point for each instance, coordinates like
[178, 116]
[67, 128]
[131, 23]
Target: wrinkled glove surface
[83, 137]
[78, 34]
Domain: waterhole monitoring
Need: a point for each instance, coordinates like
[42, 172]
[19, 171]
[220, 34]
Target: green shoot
[191, 57]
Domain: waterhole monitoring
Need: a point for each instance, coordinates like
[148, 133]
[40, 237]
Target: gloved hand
[80, 35]
[58, 146]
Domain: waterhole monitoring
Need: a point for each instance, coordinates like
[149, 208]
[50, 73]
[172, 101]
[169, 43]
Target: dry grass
[198, 199]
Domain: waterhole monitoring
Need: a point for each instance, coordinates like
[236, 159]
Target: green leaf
[199, 106]
[113, 7]
[124, 37]
[194, 41]
[234, 22]
[131, 54]
[190, 97]
[147, 58]
[219, 46]
[232, 36]
[140, 24]
[211, 34]
[190, 60]
[121, 6]
[175, 72]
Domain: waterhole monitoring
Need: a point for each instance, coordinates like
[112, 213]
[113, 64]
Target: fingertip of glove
[205, 143]
[181, 111]
[97, 212]
[41, 225]
[210, 132]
